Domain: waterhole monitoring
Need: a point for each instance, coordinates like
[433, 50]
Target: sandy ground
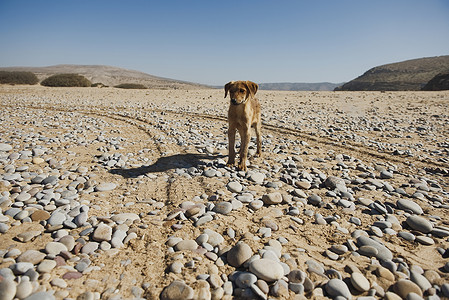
[163, 131]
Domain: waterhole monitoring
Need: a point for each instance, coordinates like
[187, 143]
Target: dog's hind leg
[231, 146]
[259, 139]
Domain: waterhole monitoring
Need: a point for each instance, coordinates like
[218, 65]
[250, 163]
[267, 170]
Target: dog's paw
[242, 167]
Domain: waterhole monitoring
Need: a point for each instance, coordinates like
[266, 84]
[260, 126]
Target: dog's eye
[242, 90]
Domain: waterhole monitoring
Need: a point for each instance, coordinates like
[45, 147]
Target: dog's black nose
[234, 101]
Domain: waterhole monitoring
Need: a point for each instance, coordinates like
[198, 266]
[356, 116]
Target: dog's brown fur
[243, 113]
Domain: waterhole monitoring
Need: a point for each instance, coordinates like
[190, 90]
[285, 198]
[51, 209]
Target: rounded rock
[8, 289]
[177, 290]
[404, 287]
[103, 232]
[272, 198]
[267, 269]
[223, 208]
[410, 205]
[359, 282]
[186, 245]
[337, 287]
[105, 187]
[238, 254]
[235, 187]
[419, 223]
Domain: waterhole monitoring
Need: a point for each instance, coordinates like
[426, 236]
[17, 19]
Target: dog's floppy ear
[227, 87]
[252, 87]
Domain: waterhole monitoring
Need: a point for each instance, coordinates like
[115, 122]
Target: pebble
[266, 269]
[419, 223]
[359, 282]
[409, 205]
[103, 232]
[223, 208]
[24, 288]
[214, 237]
[186, 245]
[7, 288]
[32, 256]
[404, 287]
[338, 288]
[123, 217]
[235, 187]
[383, 253]
[272, 198]
[239, 254]
[41, 296]
[46, 266]
[5, 147]
[105, 187]
[54, 248]
[177, 290]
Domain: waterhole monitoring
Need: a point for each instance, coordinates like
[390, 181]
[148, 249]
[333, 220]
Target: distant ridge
[409, 75]
[109, 76]
[299, 86]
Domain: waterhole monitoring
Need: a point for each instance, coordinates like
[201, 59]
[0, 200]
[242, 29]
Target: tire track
[348, 145]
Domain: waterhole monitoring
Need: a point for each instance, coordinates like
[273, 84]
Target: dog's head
[240, 91]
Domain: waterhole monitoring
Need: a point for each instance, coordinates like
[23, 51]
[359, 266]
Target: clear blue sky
[213, 42]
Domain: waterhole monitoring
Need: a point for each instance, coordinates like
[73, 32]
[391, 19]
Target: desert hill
[109, 76]
[438, 83]
[298, 86]
[410, 75]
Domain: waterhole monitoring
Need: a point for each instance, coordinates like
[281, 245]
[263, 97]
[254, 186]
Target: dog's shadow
[165, 163]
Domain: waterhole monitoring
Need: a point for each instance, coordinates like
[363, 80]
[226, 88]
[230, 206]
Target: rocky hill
[297, 86]
[109, 76]
[438, 83]
[410, 75]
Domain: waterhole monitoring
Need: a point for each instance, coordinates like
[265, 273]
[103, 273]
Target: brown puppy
[243, 113]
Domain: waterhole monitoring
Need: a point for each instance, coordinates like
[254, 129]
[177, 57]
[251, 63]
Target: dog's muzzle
[234, 102]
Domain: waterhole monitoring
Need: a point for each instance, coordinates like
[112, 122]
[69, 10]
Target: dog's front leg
[245, 137]
[231, 146]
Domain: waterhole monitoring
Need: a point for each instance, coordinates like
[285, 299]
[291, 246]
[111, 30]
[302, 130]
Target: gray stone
[54, 248]
[103, 232]
[5, 147]
[214, 237]
[409, 205]
[235, 187]
[105, 187]
[123, 217]
[24, 288]
[333, 182]
[41, 296]
[420, 280]
[223, 208]
[32, 256]
[21, 267]
[257, 177]
[407, 236]
[238, 254]
[419, 223]
[245, 279]
[383, 252]
[7, 288]
[177, 290]
[267, 269]
[56, 218]
[186, 245]
[314, 199]
[272, 198]
[359, 282]
[337, 287]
